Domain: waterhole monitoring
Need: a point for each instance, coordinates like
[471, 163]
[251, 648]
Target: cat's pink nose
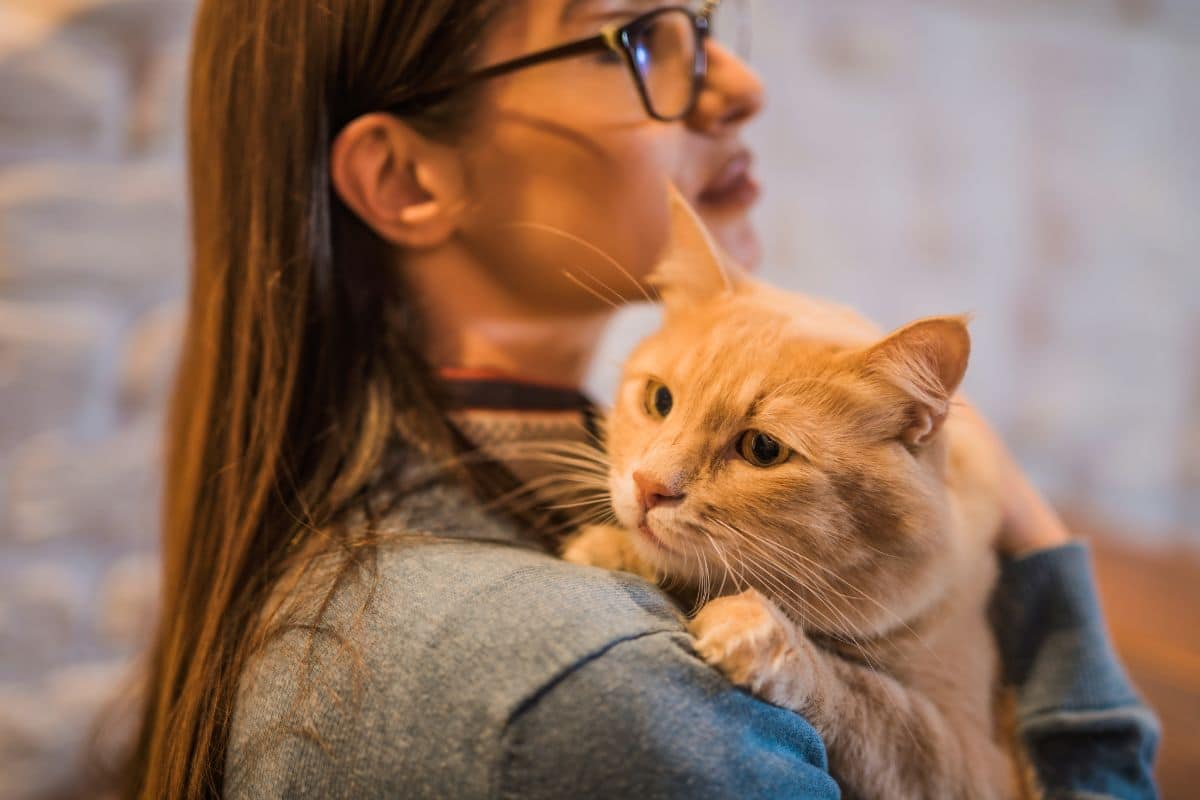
[651, 491]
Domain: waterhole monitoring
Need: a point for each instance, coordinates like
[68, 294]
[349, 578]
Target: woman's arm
[647, 718]
[1085, 728]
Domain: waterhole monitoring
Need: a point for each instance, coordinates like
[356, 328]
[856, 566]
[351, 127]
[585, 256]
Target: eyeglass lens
[664, 52]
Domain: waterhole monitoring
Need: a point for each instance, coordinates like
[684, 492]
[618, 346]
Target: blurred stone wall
[1036, 162]
[92, 268]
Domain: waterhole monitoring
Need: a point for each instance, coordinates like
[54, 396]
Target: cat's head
[744, 450]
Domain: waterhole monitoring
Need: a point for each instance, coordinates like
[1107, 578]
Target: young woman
[379, 269]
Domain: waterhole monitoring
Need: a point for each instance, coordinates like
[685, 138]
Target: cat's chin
[652, 549]
[644, 531]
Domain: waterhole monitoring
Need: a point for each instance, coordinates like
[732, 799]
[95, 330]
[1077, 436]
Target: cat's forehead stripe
[728, 401]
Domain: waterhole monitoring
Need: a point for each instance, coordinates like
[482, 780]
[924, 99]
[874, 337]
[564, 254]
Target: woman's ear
[405, 187]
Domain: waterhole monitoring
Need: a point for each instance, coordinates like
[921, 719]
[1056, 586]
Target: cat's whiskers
[895, 619]
[573, 279]
[701, 567]
[781, 552]
[779, 593]
[573, 473]
[708, 580]
[779, 587]
[796, 556]
[596, 517]
[728, 568]
[580, 487]
[832, 618]
[725, 573]
[579, 474]
[779, 590]
[585, 464]
[543, 491]
[539, 226]
[547, 485]
[742, 542]
[798, 559]
[586, 501]
[804, 564]
[829, 616]
[876, 550]
[544, 450]
[860, 644]
[671, 580]
[594, 281]
[589, 467]
[584, 449]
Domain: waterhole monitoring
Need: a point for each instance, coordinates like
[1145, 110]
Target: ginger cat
[784, 458]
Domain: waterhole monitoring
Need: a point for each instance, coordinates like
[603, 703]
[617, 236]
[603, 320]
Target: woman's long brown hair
[300, 364]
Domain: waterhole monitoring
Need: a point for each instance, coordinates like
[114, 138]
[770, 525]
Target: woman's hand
[1029, 523]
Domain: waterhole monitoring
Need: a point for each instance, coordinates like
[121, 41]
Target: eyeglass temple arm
[606, 40]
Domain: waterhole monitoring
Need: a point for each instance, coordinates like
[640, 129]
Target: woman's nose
[731, 94]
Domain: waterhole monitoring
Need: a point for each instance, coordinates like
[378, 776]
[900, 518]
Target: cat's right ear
[926, 360]
[694, 268]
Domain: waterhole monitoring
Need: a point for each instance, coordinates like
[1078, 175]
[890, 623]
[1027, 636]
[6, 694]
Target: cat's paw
[595, 546]
[606, 547]
[752, 642]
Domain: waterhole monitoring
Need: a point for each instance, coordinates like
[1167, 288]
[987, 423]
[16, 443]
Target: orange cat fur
[848, 582]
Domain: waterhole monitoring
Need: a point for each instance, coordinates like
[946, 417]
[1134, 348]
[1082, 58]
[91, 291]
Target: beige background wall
[1036, 162]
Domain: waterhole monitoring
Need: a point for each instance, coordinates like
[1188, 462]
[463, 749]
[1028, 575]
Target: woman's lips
[733, 187]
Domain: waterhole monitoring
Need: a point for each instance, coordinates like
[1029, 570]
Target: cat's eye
[658, 399]
[762, 450]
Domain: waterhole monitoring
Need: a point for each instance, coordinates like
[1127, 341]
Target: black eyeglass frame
[616, 38]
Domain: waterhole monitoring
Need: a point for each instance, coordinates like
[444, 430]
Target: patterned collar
[491, 407]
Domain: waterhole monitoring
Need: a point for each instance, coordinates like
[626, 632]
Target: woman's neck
[554, 351]
[473, 323]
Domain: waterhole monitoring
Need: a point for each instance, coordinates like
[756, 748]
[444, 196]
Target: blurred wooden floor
[1151, 598]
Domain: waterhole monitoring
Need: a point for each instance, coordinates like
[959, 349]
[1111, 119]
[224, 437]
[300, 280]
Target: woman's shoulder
[529, 611]
[421, 661]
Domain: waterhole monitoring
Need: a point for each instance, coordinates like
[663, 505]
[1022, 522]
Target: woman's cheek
[646, 207]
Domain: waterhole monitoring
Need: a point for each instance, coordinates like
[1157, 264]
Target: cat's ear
[926, 361]
[694, 268]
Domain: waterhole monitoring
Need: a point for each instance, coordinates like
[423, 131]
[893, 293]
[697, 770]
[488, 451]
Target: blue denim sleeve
[1087, 732]
[646, 718]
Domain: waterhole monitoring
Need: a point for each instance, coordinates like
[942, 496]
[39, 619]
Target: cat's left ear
[926, 360]
[694, 268]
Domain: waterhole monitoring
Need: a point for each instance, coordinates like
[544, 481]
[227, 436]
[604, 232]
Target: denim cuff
[1053, 643]
[1088, 732]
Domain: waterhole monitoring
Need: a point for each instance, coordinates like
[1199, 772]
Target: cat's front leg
[606, 547]
[883, 739]
[752, 641]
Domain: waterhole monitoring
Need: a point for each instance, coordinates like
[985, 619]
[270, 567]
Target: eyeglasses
[664, 50]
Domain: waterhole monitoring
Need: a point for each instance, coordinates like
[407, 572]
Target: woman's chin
[739, 239]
